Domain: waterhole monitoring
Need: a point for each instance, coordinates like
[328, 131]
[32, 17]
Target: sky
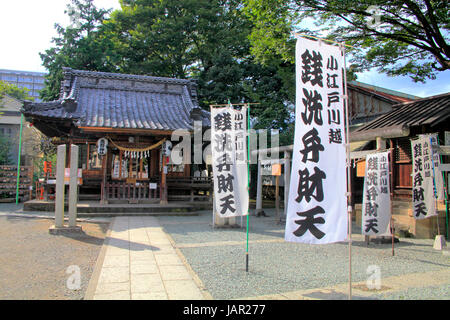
[27, 27]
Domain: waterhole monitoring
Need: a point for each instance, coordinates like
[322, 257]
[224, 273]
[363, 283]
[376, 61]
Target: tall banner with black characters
[229, 155]
[317, 206]
[376, 206]
[435, 162]
[426, 179]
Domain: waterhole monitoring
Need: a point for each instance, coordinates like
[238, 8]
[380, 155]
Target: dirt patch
[33, 263]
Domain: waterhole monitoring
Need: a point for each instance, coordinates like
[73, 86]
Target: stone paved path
[138, 261]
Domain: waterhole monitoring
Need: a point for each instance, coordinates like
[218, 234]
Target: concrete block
[154, 295]
[65, 230]
[168, 260]
[73, 186]
[183, 290]
[143, 268]
[114, 274]
[174, 273]
[59, 188]
[146, 283]
[439, 242]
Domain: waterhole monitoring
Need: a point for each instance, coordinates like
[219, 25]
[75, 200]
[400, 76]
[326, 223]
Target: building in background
[131, 116]
[10, 128]
[394, 131]
[368, 102]
[33, 81]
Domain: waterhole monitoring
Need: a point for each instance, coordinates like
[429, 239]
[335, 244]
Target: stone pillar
[59, 198]
[73, 186]
[287, 179]
[259, 190]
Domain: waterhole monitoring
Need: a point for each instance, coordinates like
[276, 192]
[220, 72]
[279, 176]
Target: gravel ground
[33, 263]
[428, 293]
[277, 266]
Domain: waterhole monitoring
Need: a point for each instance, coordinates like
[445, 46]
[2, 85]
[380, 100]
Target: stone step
[124, 209]
[121, 214]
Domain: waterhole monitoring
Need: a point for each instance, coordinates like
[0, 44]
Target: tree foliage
[207, 40]
[14, 91]
[78, 46]
[396, 37]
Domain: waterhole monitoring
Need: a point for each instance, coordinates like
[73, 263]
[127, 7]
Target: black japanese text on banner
[317, 206]
[229, 155]
[438, 178]
[427, 185]
[376, 206]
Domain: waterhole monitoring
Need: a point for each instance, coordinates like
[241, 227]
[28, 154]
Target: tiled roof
[99, 99]
[394, 96]
[427, 111]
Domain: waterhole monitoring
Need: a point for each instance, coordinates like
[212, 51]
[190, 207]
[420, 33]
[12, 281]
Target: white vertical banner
[317, 205]
[435, 162]
[229, 155]
[426, 179]
[376, 206]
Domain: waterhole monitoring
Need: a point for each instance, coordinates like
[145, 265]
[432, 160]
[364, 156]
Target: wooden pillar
[120, 163]
[381, 143]
[163, 195]
[103, 187]
[277, 197]
[259, 190]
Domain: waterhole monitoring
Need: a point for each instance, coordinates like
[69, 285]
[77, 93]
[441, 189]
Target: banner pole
[349, 196]
[213, 195]
[445, 190]
[248, 183]
[434, 186]
[391, 185]
[18, 158]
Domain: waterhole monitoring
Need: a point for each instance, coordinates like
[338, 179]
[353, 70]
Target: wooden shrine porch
[200, 189]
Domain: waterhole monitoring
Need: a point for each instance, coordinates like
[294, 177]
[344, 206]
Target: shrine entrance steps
[96, 209]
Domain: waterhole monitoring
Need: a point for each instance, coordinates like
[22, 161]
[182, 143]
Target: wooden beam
[363, 154]
[442, 150]
[126, 131]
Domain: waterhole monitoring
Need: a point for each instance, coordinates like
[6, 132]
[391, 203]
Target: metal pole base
[246, 261]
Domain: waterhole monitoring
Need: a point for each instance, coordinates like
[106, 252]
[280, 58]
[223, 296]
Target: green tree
[396, 37]
[174, 38]
[206, 40]
[79, 46]
[5, 145]
[14, 91]
[203, 39]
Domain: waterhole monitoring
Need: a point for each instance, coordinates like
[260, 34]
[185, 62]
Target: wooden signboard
[276, 169]
[361, 168]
